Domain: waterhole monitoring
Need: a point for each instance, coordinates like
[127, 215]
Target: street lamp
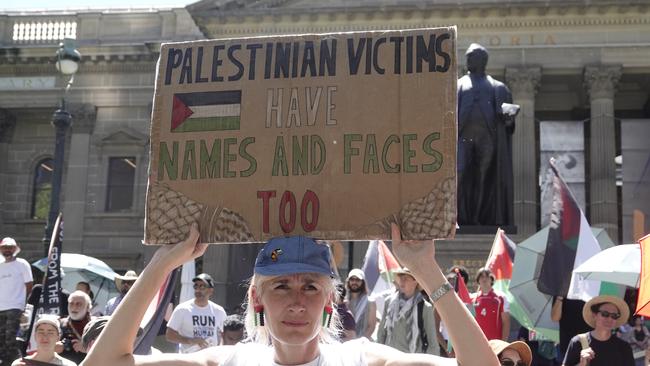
[67, 63]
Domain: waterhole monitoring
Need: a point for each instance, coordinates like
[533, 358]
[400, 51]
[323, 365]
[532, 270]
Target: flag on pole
[50, 300]
[378, 267]
[570, 243]
[643, 301]
[500, 262]
[461, 290]
[155, 314]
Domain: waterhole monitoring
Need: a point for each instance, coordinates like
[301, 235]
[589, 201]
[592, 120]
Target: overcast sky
[86, 4]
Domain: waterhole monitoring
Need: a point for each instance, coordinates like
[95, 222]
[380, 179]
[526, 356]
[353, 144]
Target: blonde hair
[260, 334]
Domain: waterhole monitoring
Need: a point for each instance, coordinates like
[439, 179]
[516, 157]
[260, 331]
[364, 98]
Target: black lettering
[268, 60]
[409, 54]
[439, 51]
[216, 63]
[397, 41]
[235, 61]
[294, 60]
[282, 56]
[174, 57]
[308, 60]
[327, 58]
[186, 69]
[369, 56]
[253, 58]
[424, 52]
[375, 56]
[199, 64]
[354, 56]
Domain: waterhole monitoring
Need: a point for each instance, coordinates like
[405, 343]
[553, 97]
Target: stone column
[524, 82]
[600, 82]
[76, 180]
[7, 127]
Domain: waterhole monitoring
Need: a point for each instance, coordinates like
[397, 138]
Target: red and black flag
[563, 237]
[206, 111]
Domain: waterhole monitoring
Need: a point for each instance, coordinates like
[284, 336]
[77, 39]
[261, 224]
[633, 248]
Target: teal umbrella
[534, 307]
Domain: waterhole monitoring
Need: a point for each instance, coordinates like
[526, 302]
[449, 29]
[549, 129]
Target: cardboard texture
[333, 136]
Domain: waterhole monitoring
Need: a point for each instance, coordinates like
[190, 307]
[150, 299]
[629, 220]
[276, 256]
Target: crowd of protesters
[594, 333]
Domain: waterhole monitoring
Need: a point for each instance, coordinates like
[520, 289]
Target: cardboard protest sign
[333, 136]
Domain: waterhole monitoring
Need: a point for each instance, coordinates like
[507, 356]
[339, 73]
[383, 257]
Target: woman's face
[293, 306]
[510, 355]
[46, 336]
[606, 322]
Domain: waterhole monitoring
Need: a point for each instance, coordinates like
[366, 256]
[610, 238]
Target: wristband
[443, 289]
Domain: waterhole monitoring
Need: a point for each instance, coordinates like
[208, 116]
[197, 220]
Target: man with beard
[123, 284]
[15, 283]
[408, 323]
[362, 308]
[72, 327]
[197, 323]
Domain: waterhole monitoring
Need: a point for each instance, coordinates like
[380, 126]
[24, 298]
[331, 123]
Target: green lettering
[280, 158]
[252, 163]
[210, 162]
[437, 156]
[408, 153]
[228, 157]
[349, 151]
[299, 155]
[370, 155]
[317, 166]
[384, 155]
[189, 161]
[167, 163]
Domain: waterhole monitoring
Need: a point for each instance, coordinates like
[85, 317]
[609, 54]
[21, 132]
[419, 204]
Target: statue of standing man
[486, 121]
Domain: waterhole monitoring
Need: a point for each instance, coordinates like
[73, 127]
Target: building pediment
[122, 137]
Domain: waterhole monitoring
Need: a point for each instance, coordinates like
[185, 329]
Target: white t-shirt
[13, 276]
[191, 320]
[337, 354]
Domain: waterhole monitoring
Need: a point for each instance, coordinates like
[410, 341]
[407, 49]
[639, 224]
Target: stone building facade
[580, 71]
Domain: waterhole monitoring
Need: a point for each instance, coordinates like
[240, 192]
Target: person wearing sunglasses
[197, 324]
[512, 354]
[600, 347]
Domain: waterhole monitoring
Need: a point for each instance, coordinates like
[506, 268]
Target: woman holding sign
[290, 302]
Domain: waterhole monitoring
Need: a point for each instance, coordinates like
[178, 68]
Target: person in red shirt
[491, 308]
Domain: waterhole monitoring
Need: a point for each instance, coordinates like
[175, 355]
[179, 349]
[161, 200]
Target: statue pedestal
[470, 248]
[485, 229]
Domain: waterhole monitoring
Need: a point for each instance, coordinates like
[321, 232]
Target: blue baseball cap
[293, 254]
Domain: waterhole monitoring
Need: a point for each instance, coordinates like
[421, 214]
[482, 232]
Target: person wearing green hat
[290, 318]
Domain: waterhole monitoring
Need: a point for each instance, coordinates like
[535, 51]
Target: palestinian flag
[500, 262]
[570, 243]
[206, 111]
[378, 266]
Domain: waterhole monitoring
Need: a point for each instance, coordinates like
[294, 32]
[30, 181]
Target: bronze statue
[486, 119]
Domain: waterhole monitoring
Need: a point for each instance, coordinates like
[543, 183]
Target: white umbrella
[619, 264]
[79, 267]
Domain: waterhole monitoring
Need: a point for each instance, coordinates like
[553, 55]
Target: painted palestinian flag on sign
[206, 111]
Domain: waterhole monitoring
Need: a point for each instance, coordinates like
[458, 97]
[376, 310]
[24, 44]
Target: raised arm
[114, 347]
[470, 345]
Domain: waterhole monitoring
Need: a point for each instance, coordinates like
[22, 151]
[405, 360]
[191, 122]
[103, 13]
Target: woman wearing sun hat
[512, 354]
[600, 347]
